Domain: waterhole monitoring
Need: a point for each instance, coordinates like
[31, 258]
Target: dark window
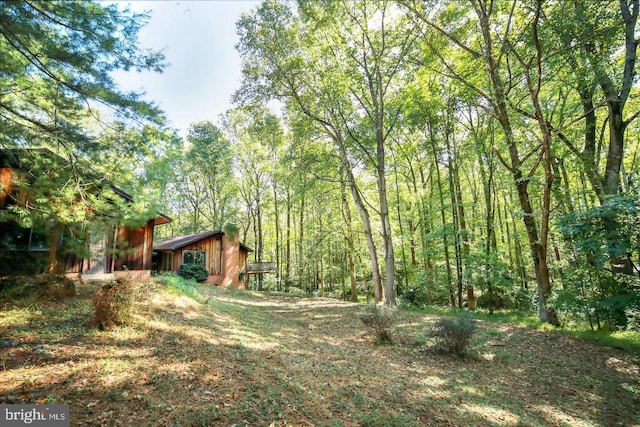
[13, 237]
[194, 257]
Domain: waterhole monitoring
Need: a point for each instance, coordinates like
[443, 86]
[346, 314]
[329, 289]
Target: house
[220, 252]
[94, 246]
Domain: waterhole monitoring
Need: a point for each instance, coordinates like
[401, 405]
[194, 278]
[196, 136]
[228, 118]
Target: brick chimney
[230, 259]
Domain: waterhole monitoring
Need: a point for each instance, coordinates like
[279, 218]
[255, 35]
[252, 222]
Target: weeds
[113, 303]
[379, 318]
[452, 335]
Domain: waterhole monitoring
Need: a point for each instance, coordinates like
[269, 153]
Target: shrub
[379, 318]
[31, 288]
[113, 302]
[196, 272]
[426, 290]
[296, 291]
[452, 335]
[633, 319]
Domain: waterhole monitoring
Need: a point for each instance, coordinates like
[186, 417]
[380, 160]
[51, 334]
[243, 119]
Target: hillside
[222, 357]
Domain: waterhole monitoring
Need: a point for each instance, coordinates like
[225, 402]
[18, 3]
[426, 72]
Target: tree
[58, 58]
[344, 79]
[56, 85]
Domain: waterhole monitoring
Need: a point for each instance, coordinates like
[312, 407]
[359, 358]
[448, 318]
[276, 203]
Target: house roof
[177, 242]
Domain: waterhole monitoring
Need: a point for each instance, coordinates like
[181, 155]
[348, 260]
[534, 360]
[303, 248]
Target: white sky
[198, 39]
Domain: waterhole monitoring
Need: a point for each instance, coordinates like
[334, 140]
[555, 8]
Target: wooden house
[112, 249]
[224, 257]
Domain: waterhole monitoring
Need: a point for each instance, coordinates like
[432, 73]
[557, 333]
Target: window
[38, 240]
[194, 257]
[16, 238]
[167, 261]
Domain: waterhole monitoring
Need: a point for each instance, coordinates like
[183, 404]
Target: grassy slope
[247, 359]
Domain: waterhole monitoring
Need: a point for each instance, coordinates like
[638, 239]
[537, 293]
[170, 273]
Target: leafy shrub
[633, 320]
[494, 300]
[27, 289]
[60, 289]
[453, 335]
[426, 290]
[596, 285]
[296, 291]
[113, 302]
[524, 299]
[379, 318]
[196, 272]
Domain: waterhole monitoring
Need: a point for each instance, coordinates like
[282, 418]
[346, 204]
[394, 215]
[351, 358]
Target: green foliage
[58, 63]
[604, 233]
[594, 291]
[493, 277]
[598, 297]
[113, 303]
[380, 319]
[179, 284]
[426, 290]
[196, 272]
[523, 299]
[232, 231]
[59, 58]
[453, 335]
[292, 290]
[495, 300]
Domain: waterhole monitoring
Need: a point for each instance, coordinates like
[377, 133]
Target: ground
[223, 357]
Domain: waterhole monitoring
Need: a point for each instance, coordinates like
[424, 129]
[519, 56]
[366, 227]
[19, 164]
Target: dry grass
[249, 360]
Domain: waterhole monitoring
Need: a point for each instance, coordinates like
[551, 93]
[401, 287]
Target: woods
[472, 154]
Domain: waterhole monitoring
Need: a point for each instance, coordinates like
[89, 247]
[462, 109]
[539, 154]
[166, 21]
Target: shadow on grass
[246, 359]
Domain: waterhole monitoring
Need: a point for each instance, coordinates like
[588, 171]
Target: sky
[198, 39]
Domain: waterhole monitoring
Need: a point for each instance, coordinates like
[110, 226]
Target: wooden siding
[137, 247]
[211, 246]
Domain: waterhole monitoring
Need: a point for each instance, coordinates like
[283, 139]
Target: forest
[478, 154]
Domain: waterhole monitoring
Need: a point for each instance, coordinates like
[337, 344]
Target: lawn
[203, 356]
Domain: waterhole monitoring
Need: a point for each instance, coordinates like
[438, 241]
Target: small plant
[196, 272]
[379, 318]
[452, 335]
[113, 302]
[232, 231]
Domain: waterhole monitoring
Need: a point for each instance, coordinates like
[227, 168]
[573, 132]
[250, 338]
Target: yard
[206, 356]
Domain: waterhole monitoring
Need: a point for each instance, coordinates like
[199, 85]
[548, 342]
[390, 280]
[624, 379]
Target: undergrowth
[113, 302]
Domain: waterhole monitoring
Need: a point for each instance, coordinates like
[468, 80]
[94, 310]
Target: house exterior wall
[225, 260]
[135, 244]
[6, 185]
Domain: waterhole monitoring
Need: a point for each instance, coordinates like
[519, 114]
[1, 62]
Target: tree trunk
[364, 216]
[350, 246]
[54, 266]
[538, 247]
[445, 240]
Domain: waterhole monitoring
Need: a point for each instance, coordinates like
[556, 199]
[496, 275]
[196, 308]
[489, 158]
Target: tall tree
[57, 63]
[56, 86]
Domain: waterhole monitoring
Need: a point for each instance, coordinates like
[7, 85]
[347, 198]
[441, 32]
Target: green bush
[196, 272]
[379, 318]
[113, 302]
[426, 290]
[633, 319]
[453, 335]
[292, 290]
[495, 300]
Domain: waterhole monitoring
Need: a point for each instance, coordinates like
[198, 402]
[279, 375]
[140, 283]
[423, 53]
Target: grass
[196, 355]
[627, 341]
